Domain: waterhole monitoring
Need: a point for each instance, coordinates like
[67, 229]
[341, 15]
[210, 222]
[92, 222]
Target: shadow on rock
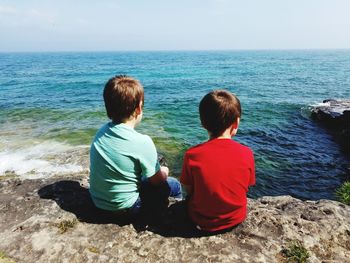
[174, 222]
[72, 197]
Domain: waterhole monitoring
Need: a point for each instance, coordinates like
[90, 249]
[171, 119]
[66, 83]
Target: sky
[120, 25]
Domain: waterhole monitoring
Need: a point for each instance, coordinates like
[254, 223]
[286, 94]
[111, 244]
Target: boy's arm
[150, 166]
[160, 176]
[252, 171]
[186, 177]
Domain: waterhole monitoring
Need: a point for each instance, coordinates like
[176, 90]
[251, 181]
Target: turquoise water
[51, 106]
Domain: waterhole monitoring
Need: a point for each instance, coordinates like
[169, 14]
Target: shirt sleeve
[149, 158]
[252, 179]
[186, 177]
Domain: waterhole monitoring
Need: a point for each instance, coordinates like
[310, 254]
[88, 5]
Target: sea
[51, 106]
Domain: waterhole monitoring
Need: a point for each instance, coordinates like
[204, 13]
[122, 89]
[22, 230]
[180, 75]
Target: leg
[175, 188]
[155, 197]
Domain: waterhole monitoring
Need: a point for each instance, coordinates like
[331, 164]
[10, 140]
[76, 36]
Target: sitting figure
[125, 174]
[216, 174]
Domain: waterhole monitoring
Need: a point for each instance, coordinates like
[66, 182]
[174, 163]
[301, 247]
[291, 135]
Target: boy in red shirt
[216, 174]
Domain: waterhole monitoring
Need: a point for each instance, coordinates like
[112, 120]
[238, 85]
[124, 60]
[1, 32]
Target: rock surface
[53, 220]
[335, 114]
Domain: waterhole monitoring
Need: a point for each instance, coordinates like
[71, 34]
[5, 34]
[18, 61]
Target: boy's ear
[234, 127]
[138, 110]
[236, 124]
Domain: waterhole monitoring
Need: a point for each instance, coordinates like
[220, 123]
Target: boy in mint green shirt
[125, 175]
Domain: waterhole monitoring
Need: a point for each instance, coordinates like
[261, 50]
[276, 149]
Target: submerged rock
[335, 114]
[54, 220]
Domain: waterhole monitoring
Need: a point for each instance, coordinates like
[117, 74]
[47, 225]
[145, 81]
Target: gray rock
[333, 112]
[53, 220]
[335, 115]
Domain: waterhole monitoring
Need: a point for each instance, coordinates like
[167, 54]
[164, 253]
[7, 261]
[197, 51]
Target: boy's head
[218, 110]
[122, 95]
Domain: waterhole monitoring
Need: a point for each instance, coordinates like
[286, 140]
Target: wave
[43, 159]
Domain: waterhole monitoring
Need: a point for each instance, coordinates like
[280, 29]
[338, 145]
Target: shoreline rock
[52, 220]
[335, 115]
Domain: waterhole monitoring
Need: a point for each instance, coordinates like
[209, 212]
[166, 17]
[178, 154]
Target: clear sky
[106, 25]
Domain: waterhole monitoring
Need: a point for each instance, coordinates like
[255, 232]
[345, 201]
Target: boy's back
[125, 175]
[119, 157]
[216, 174]
[220, 171]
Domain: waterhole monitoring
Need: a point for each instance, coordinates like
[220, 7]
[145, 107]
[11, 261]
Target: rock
[335, 115]
[51, 220]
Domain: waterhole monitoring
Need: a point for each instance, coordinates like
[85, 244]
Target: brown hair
[122, 95]
[218, 110]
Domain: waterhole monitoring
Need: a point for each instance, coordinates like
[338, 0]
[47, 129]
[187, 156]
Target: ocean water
[51, 105]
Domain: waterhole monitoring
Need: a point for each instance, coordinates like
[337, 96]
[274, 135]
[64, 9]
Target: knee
[175, 187]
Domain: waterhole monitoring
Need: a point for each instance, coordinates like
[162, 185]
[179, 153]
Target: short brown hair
[218, 110]
[122, 95]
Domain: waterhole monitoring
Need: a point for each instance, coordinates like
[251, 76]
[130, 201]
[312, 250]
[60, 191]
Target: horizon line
[173, 50]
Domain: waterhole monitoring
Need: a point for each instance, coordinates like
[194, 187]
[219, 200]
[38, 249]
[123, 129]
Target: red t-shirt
[219, 171]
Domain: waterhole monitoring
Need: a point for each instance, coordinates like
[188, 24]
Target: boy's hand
[165, 170]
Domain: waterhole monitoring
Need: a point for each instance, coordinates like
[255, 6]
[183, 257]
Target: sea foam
[37, 161]
[321, 104]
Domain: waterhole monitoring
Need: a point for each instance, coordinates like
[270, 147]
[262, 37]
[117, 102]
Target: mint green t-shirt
[119, 157]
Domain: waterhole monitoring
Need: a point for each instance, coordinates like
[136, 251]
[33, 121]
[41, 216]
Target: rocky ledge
[53, 220]
[335, 115]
